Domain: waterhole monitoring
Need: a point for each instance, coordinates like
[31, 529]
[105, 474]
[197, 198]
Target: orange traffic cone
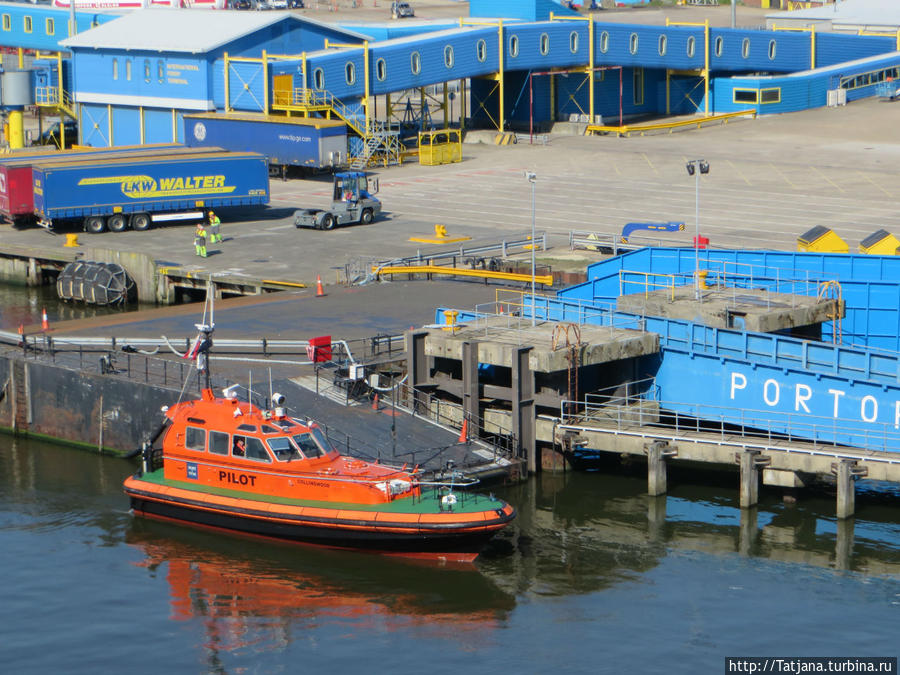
[320, 292]
[375, 402]
[45, 324]
[464, 433]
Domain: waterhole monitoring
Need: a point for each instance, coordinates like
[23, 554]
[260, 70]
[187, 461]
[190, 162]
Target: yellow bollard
[440, 231]
[450, 315]
[701, 275]
[71, 241]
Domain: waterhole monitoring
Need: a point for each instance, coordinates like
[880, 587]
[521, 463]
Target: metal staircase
[380, 143]
[55, 99]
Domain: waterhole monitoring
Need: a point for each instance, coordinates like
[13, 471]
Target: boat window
[306, 443]
[321, 439]
[283, 449]
[266, 429]
[257, 451]
[195, 439]
[246, 427]
[218, 442]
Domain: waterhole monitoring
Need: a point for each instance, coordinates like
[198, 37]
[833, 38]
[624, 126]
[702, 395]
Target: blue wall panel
[93, 125]
[126, 126]
[158, 126]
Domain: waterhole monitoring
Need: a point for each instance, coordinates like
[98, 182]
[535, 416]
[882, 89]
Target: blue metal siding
[94, 125]
[183, 76]
[834, 48]
[158, 126]
[126, 126]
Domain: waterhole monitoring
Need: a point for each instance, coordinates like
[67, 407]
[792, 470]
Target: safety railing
[727, 424]
[627, 130]
[648, 282]
[612, 243]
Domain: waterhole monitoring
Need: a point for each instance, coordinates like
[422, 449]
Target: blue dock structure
[131, 77]
[787, 368]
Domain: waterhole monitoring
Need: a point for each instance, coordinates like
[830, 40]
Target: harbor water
[593, 577]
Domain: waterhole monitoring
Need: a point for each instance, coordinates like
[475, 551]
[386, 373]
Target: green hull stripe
[467, 502]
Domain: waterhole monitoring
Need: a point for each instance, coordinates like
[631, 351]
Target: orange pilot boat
[228, 464]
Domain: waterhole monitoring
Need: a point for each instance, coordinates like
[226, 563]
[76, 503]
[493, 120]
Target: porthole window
[604, 41]
[691, 46]
[128, 69]
[146, 70]
[448, 56]
[115, 65]
[745, 48]
[50, 26]
[380, 70]
[318, 79]
[7, 22]
[513, 45]
[633, 43]
[545, 44]
[415, 63]
[573, 41]
[662, 45]
[718, 46]
[350, 72]
[481, 50]
[27, 24]
[161, 71]
[771, 50]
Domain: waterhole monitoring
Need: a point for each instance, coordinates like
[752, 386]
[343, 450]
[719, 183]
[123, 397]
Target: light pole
[694, 168]
[532, 178]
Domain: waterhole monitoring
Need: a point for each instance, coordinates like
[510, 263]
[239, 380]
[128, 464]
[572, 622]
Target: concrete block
[780, 478]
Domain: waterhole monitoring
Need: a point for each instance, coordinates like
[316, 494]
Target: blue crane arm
[660, 227]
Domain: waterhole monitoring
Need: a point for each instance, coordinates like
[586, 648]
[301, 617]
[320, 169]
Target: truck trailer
[287, 141]
[136, 192]
[16, 185]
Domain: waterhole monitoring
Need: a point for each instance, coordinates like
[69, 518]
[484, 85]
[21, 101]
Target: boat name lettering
[236, 478]
[832, 403]
[312, 483]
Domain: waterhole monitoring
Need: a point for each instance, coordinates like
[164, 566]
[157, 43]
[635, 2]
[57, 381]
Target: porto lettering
[797, 398]
[236, 478]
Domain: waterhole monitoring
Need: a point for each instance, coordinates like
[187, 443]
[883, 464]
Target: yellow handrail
[546, 279]
[628, 129]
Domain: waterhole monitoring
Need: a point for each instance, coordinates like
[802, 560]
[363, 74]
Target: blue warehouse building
[515, 65]
[136, 77]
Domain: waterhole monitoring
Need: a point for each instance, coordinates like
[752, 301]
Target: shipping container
[285, 141]
[135, 192]
[16, 191]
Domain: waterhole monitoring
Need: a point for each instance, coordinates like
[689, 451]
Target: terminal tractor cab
[353, 201]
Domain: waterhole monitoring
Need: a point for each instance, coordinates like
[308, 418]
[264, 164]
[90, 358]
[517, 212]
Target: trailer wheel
[328, 222]
[94, 224]
[140, 222]
[117, 223]
[367, 217]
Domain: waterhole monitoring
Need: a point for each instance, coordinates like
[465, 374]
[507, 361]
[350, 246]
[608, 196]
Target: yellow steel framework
[54, 99]
[877, 34]
[589, 68]
[812, 38]
[704, 72]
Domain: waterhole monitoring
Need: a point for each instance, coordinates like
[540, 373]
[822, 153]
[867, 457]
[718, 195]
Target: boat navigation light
[278, 399]
[165, 409]
[230, 392]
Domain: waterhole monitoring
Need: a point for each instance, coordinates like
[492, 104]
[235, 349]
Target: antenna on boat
[270, 383]
[203, 342]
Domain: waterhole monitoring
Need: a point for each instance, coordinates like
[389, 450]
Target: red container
[319, 349]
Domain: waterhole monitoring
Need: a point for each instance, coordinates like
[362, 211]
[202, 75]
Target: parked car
[241, 4]
[401, 10]
[286, 4]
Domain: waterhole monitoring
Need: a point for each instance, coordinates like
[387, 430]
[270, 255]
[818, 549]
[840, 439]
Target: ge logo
[199, 131]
